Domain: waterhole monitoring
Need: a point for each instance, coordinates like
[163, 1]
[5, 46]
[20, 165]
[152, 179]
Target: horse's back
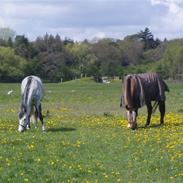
[153, 85]
[152, 79]
[149, 77]
[143, 88]
[34, 85]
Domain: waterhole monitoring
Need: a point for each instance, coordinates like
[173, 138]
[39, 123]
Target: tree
[6, 33]
[131, 50]
[80, 53]
[148, 39]
[23, 47]
[108, 57]
[12, 67]
[172, 60]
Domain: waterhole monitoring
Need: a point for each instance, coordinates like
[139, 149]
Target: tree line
[55, 59]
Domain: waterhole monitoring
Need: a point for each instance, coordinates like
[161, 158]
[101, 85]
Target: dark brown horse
[140, 89]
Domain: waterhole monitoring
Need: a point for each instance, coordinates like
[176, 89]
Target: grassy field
[87, 139]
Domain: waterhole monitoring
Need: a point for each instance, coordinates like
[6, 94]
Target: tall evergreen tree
[148, 39]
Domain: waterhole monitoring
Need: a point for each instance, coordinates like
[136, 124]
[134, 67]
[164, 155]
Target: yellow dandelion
[52, 163]
[30, 146]
[26, 179]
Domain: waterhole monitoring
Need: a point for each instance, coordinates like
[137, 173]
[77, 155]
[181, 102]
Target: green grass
[87, 139]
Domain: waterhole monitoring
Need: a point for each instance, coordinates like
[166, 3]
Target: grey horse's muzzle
[21, 128]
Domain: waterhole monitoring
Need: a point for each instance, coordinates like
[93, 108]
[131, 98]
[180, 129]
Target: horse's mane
[127, 91]
[26, 92]
[133, 91]
[141, 92]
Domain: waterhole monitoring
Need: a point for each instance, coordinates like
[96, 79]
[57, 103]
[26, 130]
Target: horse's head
[23, 120]
[132, 119]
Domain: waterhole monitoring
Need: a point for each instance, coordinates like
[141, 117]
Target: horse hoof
[43, 128]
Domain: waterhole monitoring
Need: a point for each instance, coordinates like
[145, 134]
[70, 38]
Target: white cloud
[28, 17]
[31, 10]
[170, 24]
[100, 35]
[2, 22]
[80, 33]
[173, 5]
[80, 19]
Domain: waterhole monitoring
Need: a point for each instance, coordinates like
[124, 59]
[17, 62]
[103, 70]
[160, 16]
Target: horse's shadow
[63, 129]
[151, 126]
[161, 125]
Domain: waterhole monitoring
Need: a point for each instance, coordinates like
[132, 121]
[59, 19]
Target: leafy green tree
[50, 66]
[23, 47]
[131, 50]
[172, 61]
[154, 55]
[12, 67]
[108, 56]
[49, 58]
[81, 55]
[52, 58]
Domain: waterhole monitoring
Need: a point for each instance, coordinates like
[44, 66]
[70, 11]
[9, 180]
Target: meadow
[87, 140]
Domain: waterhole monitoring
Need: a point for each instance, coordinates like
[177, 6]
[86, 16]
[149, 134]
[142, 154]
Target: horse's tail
[165, 86]
[162, 88]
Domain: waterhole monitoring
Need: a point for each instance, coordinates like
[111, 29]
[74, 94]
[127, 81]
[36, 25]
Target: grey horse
[31, 94]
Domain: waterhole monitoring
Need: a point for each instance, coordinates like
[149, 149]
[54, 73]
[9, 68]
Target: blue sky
[80, 19]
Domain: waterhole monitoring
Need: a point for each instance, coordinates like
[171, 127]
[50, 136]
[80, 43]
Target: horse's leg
[149, 111]
[35, 115]
[162, 111]
[41, 117]
[28, 125]
[136, 111]
[28, 118]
